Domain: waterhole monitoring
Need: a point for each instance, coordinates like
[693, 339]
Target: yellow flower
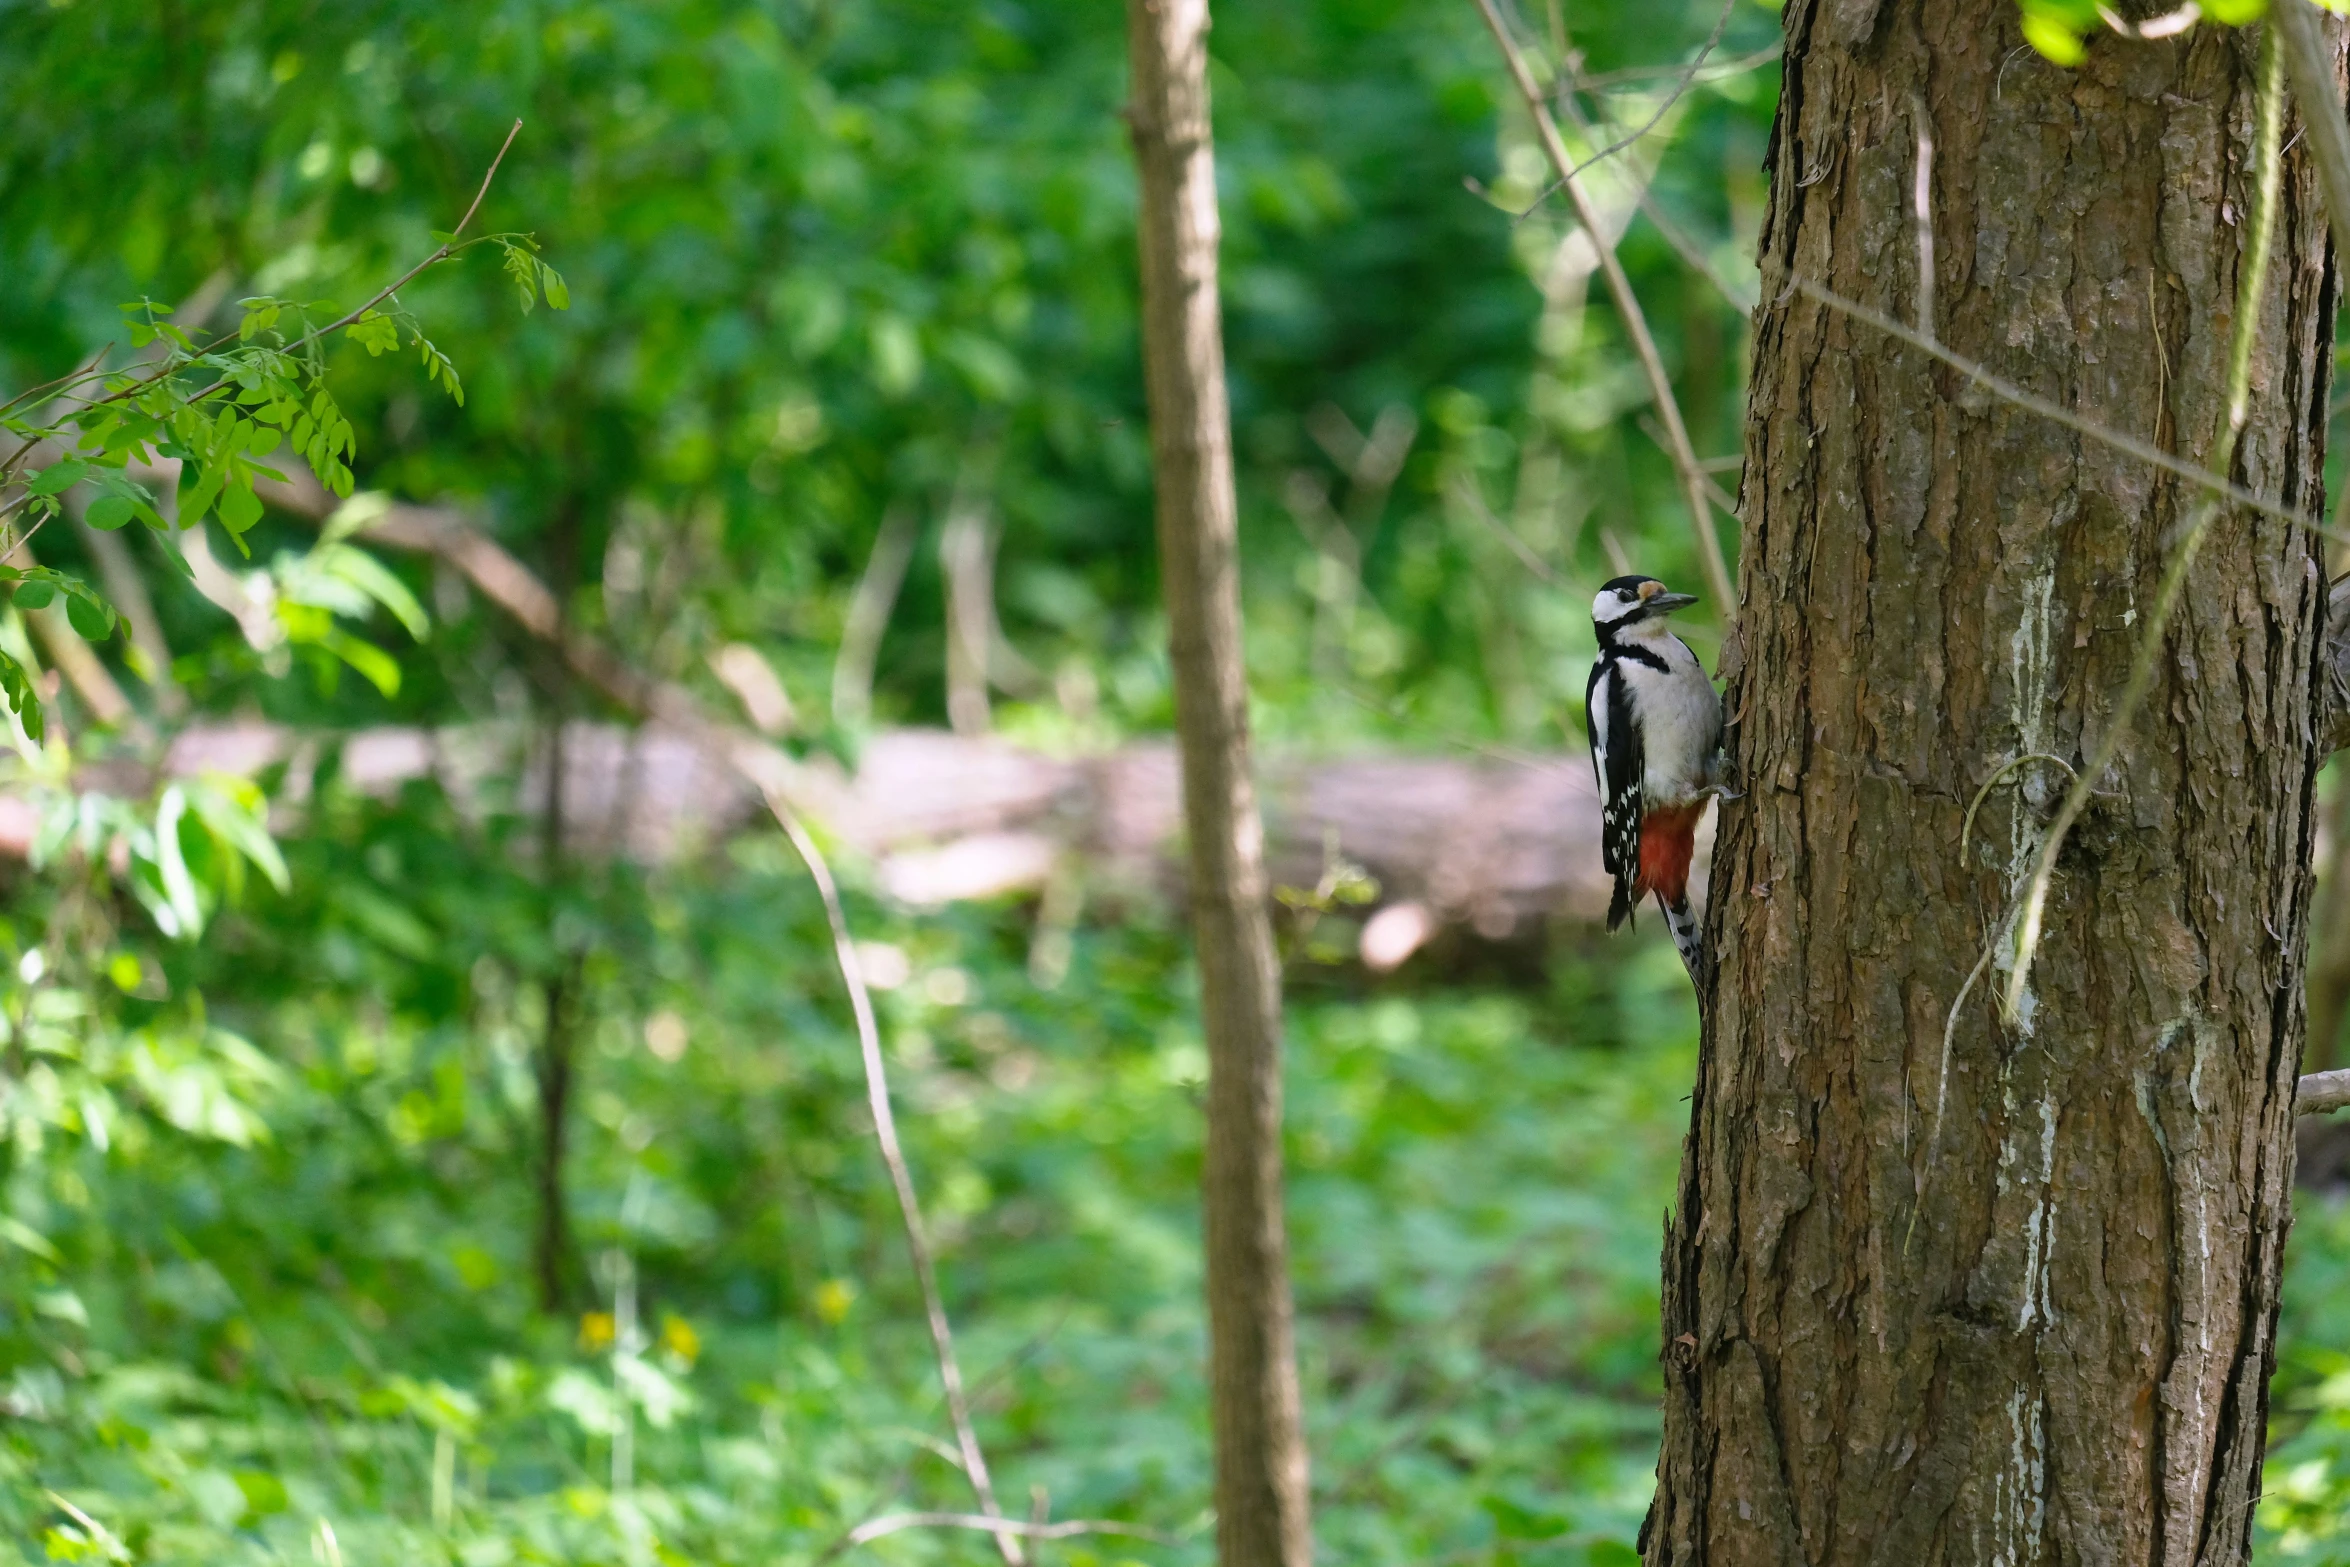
[834, 1297]
[595, 1331]
[679, 1338]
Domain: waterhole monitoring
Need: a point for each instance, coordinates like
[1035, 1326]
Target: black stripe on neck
[1633, 652]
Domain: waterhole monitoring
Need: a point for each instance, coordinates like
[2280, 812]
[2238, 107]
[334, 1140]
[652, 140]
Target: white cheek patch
[1607, 607]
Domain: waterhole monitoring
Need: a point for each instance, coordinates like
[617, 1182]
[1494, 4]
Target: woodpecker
[1656, 746]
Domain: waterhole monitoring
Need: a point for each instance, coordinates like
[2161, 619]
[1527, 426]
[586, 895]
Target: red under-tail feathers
[1668, 838]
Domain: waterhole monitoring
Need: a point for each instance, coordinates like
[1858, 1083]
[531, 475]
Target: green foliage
[265, 1196]
[229, 1336]
[2061, 29]
[2305, 1505]
[220, 409]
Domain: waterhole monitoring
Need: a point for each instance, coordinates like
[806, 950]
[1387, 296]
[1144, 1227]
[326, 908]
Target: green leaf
[558, 295]
[197, 500]
[371, 577]
[378, 668]
[522, 267]
[2059, 29]
[237, 813]
[180, 915]
[25, 1238]
[23, 700]
[240, 508]
[109, 512]
[35, 595]
[377, 334]
[264, 1494]
[92, 618]
[61, 477]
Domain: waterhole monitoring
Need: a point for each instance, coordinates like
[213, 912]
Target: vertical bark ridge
[2039, 1326]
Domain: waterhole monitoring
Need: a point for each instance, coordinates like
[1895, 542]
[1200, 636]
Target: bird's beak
[1666, 603]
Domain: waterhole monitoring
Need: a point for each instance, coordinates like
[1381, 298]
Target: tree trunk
[550, 1251]
[1260, 1442]
[2014, 1302]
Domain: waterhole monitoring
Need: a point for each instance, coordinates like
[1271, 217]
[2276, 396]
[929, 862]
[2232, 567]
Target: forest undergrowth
[299, 1324]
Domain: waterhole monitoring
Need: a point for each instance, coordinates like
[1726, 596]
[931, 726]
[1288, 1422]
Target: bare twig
[2268, 178]
[860, 637]
[963, 547]
[1678, 238]
[1542, 569]
[1681, 87]
[448, 247]
[1713, 489]
[901, 1176]
[1001, 1528]
[2309, 66]
[1738, 65]
[44, 390]
[1966, 828]
[2322, 1093]
[2105, 435]
[513, 587]
[1709, 543]
[1499, 753]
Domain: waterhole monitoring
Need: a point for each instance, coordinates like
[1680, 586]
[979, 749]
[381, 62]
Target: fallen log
[1495, 846]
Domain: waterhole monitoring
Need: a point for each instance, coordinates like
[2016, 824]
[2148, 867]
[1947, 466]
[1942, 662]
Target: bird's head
[1635, 606]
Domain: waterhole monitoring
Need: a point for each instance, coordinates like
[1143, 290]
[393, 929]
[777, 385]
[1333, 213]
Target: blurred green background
[267, 1196]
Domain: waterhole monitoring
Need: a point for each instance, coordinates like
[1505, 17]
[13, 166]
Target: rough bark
[2014, 1303]
[1260, 1488]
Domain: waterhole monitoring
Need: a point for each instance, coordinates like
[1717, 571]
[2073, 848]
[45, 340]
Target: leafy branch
[216, 412]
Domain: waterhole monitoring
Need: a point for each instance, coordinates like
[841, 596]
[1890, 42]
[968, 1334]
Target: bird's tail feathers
[1620, 907]
[1681, 920]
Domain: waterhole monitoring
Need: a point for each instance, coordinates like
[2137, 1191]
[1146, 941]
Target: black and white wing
[1617, 763]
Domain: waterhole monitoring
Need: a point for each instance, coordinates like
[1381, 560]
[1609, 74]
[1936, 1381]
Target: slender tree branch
[1738, 65]
[2322, 1093]
[1466, 488]
[513, 587]
[1001, 1528]
[2008, 392]
[1678, 238]
[1680, 88]
[901, 1176]
[448, 247]
[860, 637]
[65, 382]
[2309, 66]
[1660, 385]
